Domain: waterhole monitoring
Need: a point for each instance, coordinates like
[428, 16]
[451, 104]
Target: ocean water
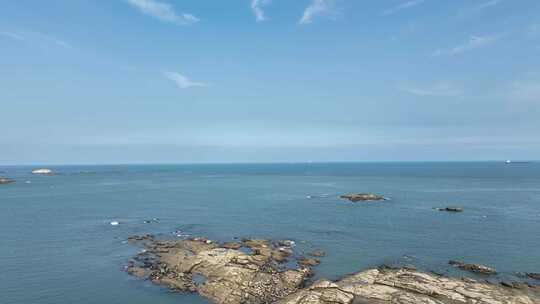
[57, 244]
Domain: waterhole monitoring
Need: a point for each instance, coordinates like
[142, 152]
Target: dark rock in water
[451, 209]
[397, 267]
[362, 197]
[5, 181]
[317, 253]
[140, 238]
[533, 275]
[308, 262]
[476, 268]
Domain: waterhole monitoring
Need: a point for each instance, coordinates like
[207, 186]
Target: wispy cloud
[487, 4]
[317, 8]
[12, 35]
[162, 11]
[256, 7]
[402, 6]
[182, 81]
[441, 89]
[474, 42]
[36, 39]
[523, 90]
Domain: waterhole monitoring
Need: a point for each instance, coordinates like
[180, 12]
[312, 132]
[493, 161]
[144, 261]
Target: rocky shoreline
[263, 271]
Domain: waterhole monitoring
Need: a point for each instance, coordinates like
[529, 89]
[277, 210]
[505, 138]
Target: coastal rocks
[5, 181]
[401, 286]
[533, 275]
[476, 268]
[362, 197]
[451, 209]
[42, 171]
[225, 274]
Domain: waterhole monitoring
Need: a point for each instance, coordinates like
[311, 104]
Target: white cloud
[529, 91]
[256, 7]
[474, 42]
[162, 11]
[317, 8]
[402, 6]
[182, 81]
[12, 35]
[437, 90]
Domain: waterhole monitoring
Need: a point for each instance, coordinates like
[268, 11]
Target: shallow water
[58, 245]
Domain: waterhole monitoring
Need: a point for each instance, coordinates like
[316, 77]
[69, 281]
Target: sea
[57, 244]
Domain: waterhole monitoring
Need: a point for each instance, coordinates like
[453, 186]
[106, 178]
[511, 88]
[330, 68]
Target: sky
[197, 81]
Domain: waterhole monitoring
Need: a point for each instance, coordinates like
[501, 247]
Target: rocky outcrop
[533, 275]
[5, 181]
[253, 271]
[473, 267]
[403, 286]
[42, 171]
[358, 197]
[225, 274]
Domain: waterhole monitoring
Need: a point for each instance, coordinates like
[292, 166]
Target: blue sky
[181, 81]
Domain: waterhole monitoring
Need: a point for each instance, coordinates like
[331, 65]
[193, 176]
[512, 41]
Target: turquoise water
[58, 245]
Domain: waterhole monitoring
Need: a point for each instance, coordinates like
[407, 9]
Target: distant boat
[508, 161]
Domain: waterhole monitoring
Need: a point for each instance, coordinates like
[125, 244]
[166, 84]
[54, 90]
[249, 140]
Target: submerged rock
[224, 274]
[362, 197]
[317, 253]
[473, 267]
[5, 181]
[42, 171]
[401, 286]
[308, 262]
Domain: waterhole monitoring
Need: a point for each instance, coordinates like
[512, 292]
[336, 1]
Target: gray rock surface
[408, 287]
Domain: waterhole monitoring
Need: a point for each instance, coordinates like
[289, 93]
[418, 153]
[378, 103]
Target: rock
[317, 253]
[473, 267]
[403, 286]
[42, 171]
[362, 197]
[232, 245]
[5, 181]
[135, 271]
[533, 275]
[140, 238]
[451, 209]
[229, 276]
[308, 262]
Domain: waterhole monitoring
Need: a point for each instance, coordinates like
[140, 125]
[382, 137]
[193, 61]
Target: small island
[5, 181]
[42, 171]
[359, 197]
